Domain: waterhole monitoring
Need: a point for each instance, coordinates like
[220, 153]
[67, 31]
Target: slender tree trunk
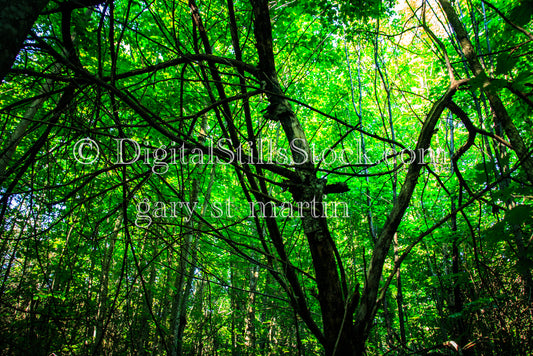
[103, 302]
[399, 295]
[198, 310]
[143, 324]
[457, 305]
[249, 338]
[236, 312]
[185, 268]
[382, 73]
[188, 257]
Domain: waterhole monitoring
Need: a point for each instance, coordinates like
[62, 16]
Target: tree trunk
[501, 117]
[456, 306]
[367, 308]
[399, 295]
[186, 267]
[249, 331]
[16, 20]
[308, 191]
[103, 303]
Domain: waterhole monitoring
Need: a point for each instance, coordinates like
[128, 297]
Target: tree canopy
[266, 177]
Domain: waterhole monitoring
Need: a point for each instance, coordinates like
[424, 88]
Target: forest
[266, 177]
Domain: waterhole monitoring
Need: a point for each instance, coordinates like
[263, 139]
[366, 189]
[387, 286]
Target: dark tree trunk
[16, 21]
[307, 190]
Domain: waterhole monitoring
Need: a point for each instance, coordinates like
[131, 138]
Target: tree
[16, 20]
[220, 177]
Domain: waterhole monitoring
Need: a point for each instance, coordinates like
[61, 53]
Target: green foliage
[83, 272]
[521, 13]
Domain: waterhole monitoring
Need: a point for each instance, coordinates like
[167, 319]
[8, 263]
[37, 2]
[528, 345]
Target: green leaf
[524, 266]
[497, 84]
[477, 82]
[496, 233]
[522, 79]
[519, 214]
[505, 63]
[521, 14]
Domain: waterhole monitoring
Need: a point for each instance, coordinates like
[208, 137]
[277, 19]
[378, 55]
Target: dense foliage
[253, 177]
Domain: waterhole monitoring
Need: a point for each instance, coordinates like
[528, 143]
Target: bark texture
[501, 116]
[16, 20]
[332, 291]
